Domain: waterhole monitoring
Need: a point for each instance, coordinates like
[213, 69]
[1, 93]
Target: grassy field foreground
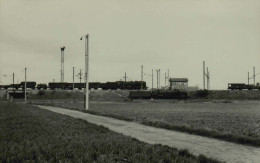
[28, 133]
[235, 121]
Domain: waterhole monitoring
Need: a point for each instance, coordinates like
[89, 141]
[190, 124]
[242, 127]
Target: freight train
[241, 86]
[130, 85]
[29, 84]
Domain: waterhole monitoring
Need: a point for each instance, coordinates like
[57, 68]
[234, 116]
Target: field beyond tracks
[235, 121]
[28, 133]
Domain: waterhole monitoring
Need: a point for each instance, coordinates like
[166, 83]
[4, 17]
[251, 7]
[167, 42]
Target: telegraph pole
[159, 78]
[254, 74]
[165, 79]
[13, 81]
[207, 78]
[25, 85]
[62, 63]
[73, 78]
[125, 77]
[142, 77]
[248, 78]
[157, 71]
[204, 75]
[208, 81]
[86, 70]
[152, 79]
[80, 74]
[168, 76]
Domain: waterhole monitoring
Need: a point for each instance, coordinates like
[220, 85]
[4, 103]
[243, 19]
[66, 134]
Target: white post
[25, 87]
[86, 71]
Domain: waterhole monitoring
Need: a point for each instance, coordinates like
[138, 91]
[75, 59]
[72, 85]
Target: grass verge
[158, 124]
[28, 133]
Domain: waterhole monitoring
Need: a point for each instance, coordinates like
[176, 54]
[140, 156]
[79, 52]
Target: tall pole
[87, 72]
[62, 63]
[204, 75]
[209, 82]
[248, 78]
[159, 78]
[207, 78]
[168, 75]
[157, 73]
[13, 81]
[165, 79]
[254, 74]
[73, 78]
[142, 77]
[80, 73]
[152, 79]
[125, 77]
[25, 85]
[86, 99]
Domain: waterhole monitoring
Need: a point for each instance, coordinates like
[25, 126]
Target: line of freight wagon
[130, 85]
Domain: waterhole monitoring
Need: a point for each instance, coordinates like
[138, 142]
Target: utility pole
[25, 85]
[80, 75]
[165, 79]
[152, 79]
[204, 75]
[208, 82]
[125, 77]
[157, 71]
[168, 76]
[254, 74]
[86, 70]
[73, 78]
[142, 77]
[248, 78]
[207, 75]
[13, 81]
[159, 78]
[62, 63]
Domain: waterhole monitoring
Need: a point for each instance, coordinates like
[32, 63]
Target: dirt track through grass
[220, 150]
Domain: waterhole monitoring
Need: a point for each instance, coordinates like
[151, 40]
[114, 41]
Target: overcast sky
[125, 34]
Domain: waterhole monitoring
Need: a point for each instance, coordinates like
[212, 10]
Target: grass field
[31, 134]
[236, 121]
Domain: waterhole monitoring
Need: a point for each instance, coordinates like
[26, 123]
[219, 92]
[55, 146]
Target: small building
[178, 83]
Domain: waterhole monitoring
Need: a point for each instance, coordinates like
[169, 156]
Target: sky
[123, 35]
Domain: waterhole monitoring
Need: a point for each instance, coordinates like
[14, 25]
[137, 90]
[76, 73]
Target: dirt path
[213, 148]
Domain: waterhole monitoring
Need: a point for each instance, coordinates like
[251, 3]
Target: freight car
[29, 84]
[242, 86]
[41, 86]
[69, 86]
[158, 94]
[130, 85]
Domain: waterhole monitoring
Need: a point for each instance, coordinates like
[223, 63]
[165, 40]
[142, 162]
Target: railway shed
[179, 83]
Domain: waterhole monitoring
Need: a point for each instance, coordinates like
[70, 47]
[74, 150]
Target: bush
[201, 93]
[175, 95]
[41, 92]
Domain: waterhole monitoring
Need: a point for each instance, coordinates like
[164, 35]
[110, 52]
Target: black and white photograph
[130, 81]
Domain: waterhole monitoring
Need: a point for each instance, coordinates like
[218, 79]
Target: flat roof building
[179, 83]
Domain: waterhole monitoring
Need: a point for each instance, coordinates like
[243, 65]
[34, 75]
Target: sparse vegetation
[35, 135]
